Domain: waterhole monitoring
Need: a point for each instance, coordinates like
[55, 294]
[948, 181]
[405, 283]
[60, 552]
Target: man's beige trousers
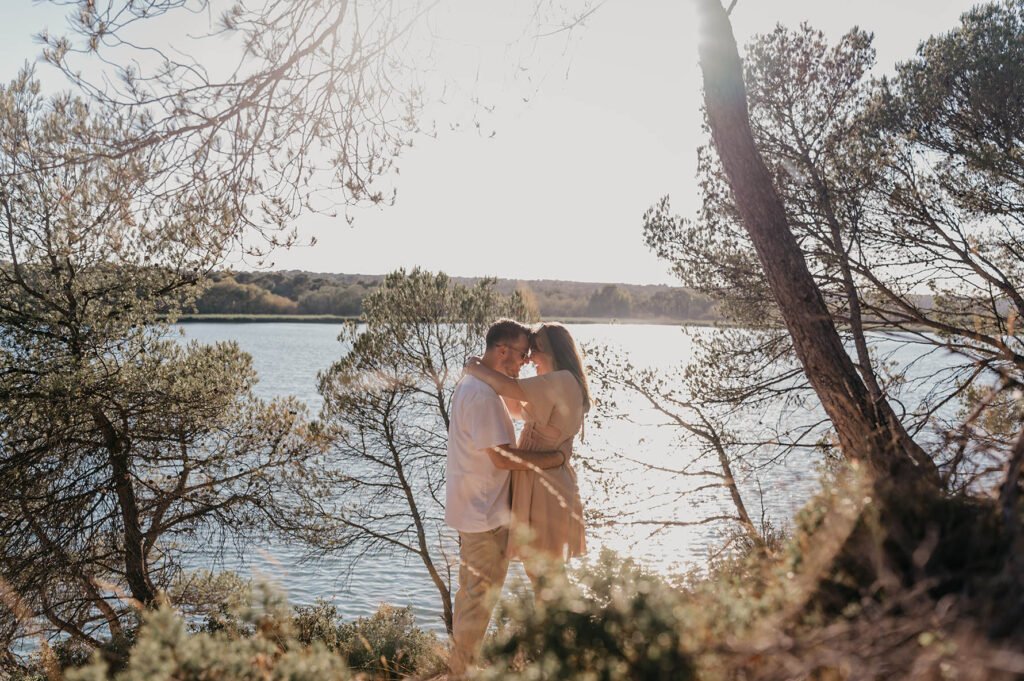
[482, 569]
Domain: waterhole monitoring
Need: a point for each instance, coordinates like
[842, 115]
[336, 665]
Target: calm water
[288, 357]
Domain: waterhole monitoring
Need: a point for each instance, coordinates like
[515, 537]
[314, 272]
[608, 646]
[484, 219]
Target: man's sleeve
[488, 422]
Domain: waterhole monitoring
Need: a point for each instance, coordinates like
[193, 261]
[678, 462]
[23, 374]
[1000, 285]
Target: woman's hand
[506, 386]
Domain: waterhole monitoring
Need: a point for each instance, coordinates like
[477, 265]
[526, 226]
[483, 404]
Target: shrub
[167, 651]
[253, 641]
[388, 645]
[617, 622]
[318, 622]
[212, 601]
[799, 607]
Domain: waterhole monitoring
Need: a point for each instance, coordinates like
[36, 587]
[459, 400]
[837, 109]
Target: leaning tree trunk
[865, 427]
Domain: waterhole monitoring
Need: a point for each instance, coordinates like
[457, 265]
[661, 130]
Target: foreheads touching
[507, 332]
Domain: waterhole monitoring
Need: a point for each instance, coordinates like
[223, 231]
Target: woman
[547, 514]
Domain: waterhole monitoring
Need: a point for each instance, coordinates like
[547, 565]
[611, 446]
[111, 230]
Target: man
[480, 438]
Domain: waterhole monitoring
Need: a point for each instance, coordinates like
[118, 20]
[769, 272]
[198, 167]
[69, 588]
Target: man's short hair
[504, 331]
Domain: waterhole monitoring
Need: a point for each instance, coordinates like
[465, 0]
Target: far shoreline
[341, 319]
[644, 321]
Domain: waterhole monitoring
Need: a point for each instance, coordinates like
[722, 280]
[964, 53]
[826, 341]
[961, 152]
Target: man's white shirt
[477, 491]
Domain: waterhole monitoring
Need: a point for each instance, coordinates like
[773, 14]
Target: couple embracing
[508, 499]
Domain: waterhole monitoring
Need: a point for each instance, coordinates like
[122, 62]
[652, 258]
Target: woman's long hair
[565, 353]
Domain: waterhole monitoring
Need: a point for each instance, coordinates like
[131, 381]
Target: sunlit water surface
[287, 357]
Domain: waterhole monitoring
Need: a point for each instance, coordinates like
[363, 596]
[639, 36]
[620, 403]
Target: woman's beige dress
[547, 514]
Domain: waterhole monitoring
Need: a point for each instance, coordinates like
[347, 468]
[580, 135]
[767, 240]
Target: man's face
[514, 354]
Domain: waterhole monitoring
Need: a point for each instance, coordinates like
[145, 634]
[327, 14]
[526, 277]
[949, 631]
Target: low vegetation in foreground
[818, 604]
[258, 637]
[822, 603]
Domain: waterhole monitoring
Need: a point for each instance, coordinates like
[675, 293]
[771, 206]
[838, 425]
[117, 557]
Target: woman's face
[540, 355]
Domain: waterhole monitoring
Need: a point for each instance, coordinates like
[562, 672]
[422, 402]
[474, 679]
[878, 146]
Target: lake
[287, 357]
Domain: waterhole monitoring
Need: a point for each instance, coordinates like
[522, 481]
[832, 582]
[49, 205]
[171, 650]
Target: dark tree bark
[135, 565]
[857, 321]
[866, 427]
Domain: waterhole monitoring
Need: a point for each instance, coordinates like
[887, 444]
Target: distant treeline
[293, 292]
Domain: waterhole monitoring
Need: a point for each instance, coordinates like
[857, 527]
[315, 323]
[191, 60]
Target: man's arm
[514, 459]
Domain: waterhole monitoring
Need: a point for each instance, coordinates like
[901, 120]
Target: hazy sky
[604, 122]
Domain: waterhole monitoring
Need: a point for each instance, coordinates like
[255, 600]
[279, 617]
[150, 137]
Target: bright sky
[611, 123]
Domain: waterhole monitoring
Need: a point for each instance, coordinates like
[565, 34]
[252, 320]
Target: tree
[857, 417]
[123, 449]
[610, 301]
[320, 97]
[674, 303]
[331, 299]
[951, 199]
[229, 297]
[695, 423]
[891, 242]
[386, 410]
[910, 501]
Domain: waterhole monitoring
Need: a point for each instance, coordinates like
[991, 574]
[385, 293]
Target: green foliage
[257, 637]
[675, 303]
[388, 645]
[805, 97]
[50, 660]
[610, 301]
[331, 300]
[803, 606]
[962, 98]
[122, 447]
[954, 114]
[286, 292]
[229, 297]
[304, 293]
[216, 597]
[619, 622]
[167, 650]
[893, 188]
